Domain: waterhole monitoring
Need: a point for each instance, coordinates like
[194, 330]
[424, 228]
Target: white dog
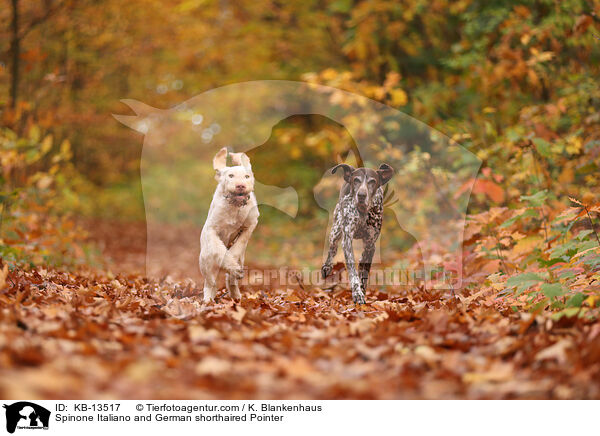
[232, 217]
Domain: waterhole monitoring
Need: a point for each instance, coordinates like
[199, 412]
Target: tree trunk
[15, 51]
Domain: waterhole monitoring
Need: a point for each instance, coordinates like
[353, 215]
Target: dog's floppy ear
[220, 159]
[385, 173]
[348, 170]
[241, 159]
[246, 161]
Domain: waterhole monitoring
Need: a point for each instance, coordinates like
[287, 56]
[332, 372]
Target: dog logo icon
[26, 415]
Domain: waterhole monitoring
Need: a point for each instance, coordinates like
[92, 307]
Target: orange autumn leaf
[491, 189]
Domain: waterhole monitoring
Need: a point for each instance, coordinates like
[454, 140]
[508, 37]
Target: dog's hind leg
[334, 240]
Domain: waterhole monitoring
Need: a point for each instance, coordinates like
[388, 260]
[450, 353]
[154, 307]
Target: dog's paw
[358, 297]
[209, 295]
[235, 294]
[326, 270]
[208, 298]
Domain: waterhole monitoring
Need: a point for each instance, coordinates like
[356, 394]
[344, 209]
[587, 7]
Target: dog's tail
[136, 122]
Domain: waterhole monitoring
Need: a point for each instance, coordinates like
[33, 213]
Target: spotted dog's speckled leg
[364, 266]
[349, 229]
[357, 294]
[334, 240]
[373, 223]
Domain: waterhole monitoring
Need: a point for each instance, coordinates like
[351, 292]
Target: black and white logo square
[24, 415]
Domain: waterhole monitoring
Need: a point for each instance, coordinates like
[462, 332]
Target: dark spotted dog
[358, 215]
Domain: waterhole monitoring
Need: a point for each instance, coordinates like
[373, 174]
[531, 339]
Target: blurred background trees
[491, 74]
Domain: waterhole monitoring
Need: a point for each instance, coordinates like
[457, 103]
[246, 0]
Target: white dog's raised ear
[220, 159]
[241, 159]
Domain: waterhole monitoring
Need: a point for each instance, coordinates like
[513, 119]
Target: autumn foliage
[513, 82]
[81, 336]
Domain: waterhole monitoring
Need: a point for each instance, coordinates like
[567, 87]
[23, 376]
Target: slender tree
[15, 48]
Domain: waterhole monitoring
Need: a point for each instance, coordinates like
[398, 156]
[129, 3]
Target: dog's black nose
[240, 187]
[361, 196]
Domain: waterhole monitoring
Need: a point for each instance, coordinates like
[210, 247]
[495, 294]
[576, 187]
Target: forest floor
[98, 334]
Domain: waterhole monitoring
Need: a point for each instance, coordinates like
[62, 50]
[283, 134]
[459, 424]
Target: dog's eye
[247, 176]
[231, 176]
[356, 180]
[372, 182]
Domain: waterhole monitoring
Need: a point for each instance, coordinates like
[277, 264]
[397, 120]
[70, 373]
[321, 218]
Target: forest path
[94, 334]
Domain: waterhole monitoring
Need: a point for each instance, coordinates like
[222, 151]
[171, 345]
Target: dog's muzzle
[362, 206]
[238, 198]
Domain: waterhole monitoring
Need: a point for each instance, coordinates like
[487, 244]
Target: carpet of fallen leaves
[94, 335]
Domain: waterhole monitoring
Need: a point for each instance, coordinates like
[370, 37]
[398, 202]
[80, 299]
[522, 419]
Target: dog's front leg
[334, 240]
[364, 266]
[357, 294]
[238, 248]
[213, 257]
[221, 256]
[238, 251]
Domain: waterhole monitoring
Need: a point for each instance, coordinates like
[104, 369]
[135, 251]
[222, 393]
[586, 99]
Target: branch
[39, 20]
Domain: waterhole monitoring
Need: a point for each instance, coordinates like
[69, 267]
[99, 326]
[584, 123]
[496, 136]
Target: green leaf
[561, 250]
[566, 274]
[586, 245]
[568, 312]
[522, 278]
[526, 214]
[543, 147]
[569, 216]
[552, 290]
[523, 281]
[582, 234]
[343, 6]
[576, 300]
[536, 199]
[513, 135]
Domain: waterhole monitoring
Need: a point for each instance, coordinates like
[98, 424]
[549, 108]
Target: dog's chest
[375, 214]
[362, 225]
[231, 223]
